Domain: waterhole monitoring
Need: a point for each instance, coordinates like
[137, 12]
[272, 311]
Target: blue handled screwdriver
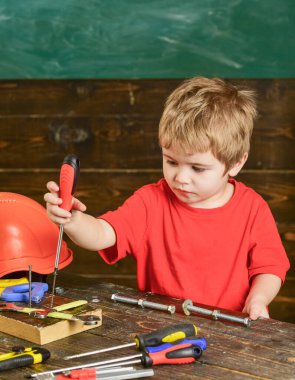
[201, 342]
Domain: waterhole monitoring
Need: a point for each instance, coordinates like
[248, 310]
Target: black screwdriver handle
[166, 335]
[35, 355]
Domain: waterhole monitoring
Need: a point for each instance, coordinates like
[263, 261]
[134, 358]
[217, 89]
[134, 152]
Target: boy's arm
[263, 290]
[89, 232]
[83, 229]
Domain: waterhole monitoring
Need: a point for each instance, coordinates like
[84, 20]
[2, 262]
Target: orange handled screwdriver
[68, 179]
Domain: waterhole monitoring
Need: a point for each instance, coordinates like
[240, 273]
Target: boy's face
[198, 179]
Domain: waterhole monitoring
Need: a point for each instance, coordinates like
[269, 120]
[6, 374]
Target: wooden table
[264, 351]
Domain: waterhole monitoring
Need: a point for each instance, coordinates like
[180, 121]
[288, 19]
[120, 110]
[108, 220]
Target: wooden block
[43, 331]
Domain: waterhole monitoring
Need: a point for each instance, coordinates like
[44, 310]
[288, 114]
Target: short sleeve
[267, 254]
[129, 222]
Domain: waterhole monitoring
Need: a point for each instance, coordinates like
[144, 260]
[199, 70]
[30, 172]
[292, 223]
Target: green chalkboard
[146, 38]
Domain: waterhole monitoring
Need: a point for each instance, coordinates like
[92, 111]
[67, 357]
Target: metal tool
[68, 180]
[26, 292]
[21, 357]
[189, 307]
[155, 338]
[117, 373]
[178, 354]
[135, 374]
[87, 319]
[42, 313]
[30, 286]
[143, 303]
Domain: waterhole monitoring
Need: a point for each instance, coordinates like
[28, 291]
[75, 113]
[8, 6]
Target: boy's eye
[198, 169]
[172, 163]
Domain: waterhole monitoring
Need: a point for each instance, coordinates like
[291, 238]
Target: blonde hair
[205, 114]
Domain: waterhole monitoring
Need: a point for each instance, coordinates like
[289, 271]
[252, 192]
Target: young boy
[197, 233]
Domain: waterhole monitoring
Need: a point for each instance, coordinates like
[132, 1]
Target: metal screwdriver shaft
[57, 256]
[30, 285]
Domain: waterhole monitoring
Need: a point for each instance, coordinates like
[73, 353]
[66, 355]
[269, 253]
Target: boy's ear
[238, 165]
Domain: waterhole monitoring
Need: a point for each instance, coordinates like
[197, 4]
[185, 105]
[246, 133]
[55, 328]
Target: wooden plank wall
[112, 126]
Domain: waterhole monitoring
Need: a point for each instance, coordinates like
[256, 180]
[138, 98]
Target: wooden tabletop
[266, 350]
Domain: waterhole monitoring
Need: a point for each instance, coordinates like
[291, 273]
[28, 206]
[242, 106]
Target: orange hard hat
[28, 237]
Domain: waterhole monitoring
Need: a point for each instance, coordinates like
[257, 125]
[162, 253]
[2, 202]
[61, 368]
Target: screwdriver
[178, 354]
[155, 338]
[68, 179]
[21, 357]
[201, 342]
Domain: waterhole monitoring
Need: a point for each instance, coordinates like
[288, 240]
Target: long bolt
[144, 303]
[188, 307]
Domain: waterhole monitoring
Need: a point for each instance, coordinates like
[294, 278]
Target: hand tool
[120, 373]
[87, 373]
[21, 357]
[143, 303]
[179, 354]
[4, 283]
[87, 319]
[201, 342]
[154, 338]
[42, 313]
[188, 306]
[21, 292]
[68, 180]
[30, 286]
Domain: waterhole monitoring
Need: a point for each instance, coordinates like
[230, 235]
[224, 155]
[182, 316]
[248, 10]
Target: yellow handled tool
[4, 283]
[21, 357]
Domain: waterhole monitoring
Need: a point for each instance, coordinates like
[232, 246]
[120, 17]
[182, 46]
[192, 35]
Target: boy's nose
[182, 177]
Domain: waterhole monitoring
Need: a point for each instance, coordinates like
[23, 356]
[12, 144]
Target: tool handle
[70, 305]
[16, 362]
[179, 354]
[31, 356]
[166, 335]
[201, 342]
[21, 292]
[69, 174]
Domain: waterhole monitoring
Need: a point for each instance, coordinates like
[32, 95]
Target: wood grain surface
[266, 350]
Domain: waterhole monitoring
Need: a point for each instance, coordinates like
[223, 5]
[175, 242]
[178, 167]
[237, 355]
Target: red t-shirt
[206, 255]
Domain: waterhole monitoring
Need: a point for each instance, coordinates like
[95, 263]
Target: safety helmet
[28, 237]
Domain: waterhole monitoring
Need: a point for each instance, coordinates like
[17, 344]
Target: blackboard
[146, 38]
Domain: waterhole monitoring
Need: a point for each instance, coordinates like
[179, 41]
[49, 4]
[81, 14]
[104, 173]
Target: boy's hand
[264, 288]
[55, 213]
[256, 310]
